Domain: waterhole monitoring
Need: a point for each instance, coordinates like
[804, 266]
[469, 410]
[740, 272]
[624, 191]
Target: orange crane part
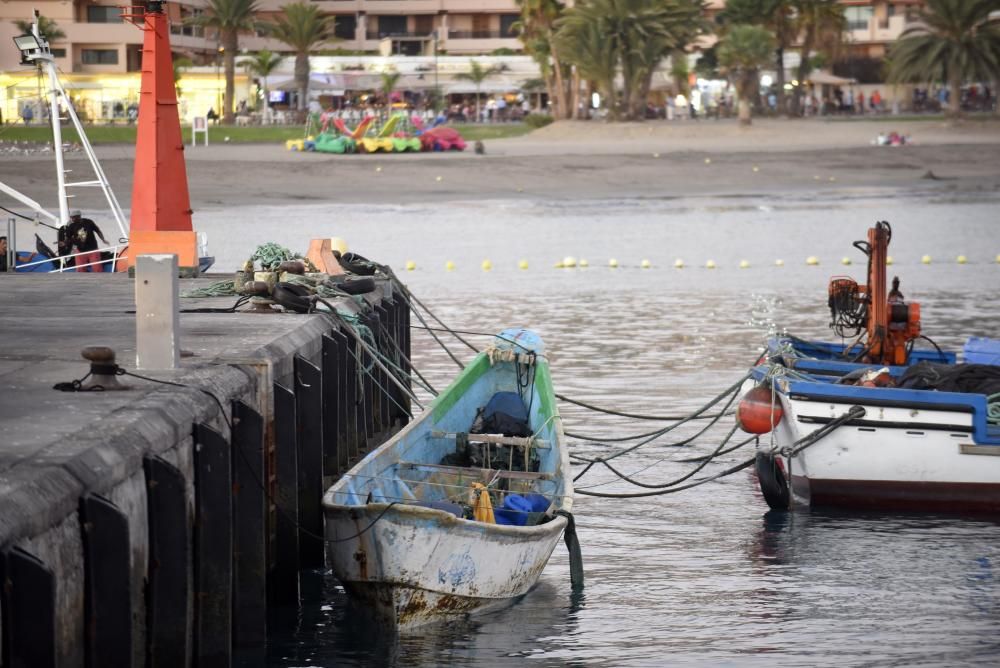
[161, 204]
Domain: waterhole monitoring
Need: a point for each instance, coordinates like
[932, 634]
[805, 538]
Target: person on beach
[82, 234]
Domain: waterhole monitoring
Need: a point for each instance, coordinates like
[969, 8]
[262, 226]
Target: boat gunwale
[443, 519]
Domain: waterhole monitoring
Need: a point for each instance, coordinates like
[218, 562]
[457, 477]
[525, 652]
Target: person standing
[82, 233]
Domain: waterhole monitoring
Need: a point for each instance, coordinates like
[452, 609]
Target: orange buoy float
[758, 411]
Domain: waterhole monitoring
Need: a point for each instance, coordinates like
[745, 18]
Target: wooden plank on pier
[285, 588]
[107, 583]
[309, 429]
[340, 412]
[213, 549]
[331, 374]
[28, 610]
[249, 528]
[169, 564]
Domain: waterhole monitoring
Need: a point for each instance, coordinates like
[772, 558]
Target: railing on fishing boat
[66, 263]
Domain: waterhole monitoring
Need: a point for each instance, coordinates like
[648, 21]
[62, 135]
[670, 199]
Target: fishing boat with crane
[459, 512]
[874, 423]
[160, 201]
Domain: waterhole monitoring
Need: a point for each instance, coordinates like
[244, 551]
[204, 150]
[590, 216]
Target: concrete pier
[155, 525]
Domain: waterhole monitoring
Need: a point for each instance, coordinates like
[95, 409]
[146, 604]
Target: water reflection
[708, 576]
[337, 633]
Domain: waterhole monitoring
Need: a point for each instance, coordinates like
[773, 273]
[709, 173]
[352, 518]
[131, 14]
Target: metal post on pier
[157, 307]
[11, 254]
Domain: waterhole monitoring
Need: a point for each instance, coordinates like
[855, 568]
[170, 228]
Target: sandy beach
[574, 161]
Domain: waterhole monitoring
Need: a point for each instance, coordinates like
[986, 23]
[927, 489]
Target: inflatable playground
[397, 134]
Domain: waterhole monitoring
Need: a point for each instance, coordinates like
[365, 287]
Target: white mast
[44, 56]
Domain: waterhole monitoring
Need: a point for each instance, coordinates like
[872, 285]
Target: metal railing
[65, 263]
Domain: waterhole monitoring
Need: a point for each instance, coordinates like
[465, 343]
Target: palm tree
[820, 25]
[952, 41]
[536, 29]
[742, 52]
[262, 64]
[302, 27]
[778, 16]
[48, 29]
[581, 39]
[631, 35]
[477, 74]
[180, 65]
[228, 18]
[389, 81]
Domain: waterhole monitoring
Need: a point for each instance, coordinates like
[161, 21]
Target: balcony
[383, 34]
[477, 34]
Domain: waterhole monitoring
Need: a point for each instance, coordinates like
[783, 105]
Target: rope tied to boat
[573, 546]
[993, 408]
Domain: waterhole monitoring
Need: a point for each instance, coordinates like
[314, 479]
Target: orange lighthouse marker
[161, 205]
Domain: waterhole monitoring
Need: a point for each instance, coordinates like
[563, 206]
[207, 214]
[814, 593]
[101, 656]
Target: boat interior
[495, 430]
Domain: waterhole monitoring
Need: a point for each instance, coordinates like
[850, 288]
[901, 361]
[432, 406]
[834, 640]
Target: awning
[318, 83]
[827, 79]
[493, 85]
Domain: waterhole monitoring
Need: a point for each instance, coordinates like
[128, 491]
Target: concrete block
[157, 312]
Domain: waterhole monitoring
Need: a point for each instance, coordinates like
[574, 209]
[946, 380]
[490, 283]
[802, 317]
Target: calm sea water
[706, 576]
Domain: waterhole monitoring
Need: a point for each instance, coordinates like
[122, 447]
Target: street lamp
[437, 89]
[30, 48]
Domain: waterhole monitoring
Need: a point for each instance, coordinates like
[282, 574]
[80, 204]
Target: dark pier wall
[150, 526]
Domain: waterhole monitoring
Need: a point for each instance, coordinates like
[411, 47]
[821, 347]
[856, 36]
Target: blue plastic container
[978, 350]
[517, 509]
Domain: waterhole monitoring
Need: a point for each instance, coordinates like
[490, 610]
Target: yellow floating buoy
[679, 263]
[998, 259]
[812, 260]
[410, 265]
[487, 265]
[708, 161]
[926, 259]
[645, 264]
[449, 266]
[815, 177]
[439, 178]
[845, 260]
[756, 168]
[569, 262]
[520, 190]
[779, 263]
[584, 263]
[744, 264]
[710, 264]
[613, 263]
[656, 155]
[559, 265]
[961, 259]
[338, 244]
[378, 169]
[523, 264]
[833, 178]
[888, 259]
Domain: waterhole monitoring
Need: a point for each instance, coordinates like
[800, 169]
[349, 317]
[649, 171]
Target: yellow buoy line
[570, 262]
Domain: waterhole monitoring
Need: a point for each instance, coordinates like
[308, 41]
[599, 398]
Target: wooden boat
[874, 424]
[408, 532]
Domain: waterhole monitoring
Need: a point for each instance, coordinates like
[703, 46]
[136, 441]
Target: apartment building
[98, 42]
[873, 25]
[411, 27]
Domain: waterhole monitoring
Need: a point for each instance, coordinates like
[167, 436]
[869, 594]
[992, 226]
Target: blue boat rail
[797, 385]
